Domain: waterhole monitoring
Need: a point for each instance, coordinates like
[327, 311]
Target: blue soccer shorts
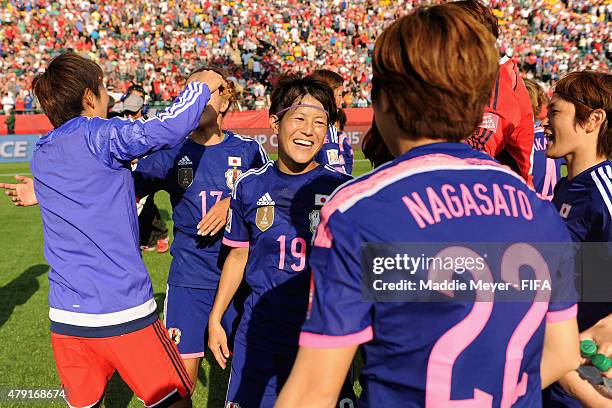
[186, 312]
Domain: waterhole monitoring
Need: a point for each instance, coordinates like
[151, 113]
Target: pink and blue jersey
[585, 204]
[197, 177]
[346, 152]
[435, 354]
[546, 171]
[275, 215]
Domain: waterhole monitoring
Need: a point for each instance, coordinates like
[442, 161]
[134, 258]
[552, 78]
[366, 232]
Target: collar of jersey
[457, 149]
[282, 175]
[226, 136]
[585, 175]
[64, 128]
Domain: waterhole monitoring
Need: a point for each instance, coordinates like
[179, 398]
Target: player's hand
[601, 334]
[215, 219]
[590, 396]
[22, 194]
[217, 342]
[210, 78]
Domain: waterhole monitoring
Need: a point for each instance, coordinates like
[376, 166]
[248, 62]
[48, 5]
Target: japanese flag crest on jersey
[315, 218]
[232, 174]
[315, 215]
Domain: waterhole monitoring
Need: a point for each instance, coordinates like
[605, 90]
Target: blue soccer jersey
[585, 203]
[433, 354]
[331, 153]
[197, 177]
[546, 171]
[275, 215]
[346, 151]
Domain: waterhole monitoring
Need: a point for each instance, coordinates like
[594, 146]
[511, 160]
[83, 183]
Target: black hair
[291, 89]
[135, 88]
[341, 118]
[60, 89]
[233, 93]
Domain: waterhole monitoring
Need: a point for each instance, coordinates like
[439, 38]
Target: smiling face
[564, 135]
[301, 132]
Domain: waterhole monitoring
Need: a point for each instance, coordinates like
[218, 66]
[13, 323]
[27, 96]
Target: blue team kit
[336, 151]
[585, 204]
[299, 228]
[196, 177]
[546, 171]
[433, 354]
[99, 285]
[274, 214]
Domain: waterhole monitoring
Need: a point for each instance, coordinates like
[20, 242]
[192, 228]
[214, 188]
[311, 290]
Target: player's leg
[83, 372]
[186, 312]
[252, 380]
[193, 366]
[149, 363]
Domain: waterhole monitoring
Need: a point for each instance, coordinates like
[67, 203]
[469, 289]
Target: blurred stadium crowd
[157, 42]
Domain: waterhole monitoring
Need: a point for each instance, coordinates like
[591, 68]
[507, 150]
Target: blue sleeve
[117, 140]
[329, 153]
[564, 278]
[151, 172]
[236, 230]
[337, 316]
[321, 157]
[259, 157]
[347, 153]
[606, 224]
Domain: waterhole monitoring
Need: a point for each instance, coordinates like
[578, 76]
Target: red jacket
[506, 131]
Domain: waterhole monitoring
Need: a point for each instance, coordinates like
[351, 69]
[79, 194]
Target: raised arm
[120, 140]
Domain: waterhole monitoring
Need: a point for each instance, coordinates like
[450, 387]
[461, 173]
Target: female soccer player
[336, 150]
[433, 74]
[199, 174]
[546, 171]
[274, 211]
[103, 314]
[578, 130]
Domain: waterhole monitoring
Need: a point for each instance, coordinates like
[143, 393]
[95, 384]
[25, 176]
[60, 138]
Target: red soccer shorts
[147, 360]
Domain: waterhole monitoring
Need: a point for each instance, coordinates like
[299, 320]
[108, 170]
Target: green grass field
[26, 357]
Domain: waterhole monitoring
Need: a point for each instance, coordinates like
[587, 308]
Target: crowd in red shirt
[157, 42]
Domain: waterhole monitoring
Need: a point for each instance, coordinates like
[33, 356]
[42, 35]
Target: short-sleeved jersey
[275, 215]
[506, 131]
[546, 171]
[429, 354]
[197, 177]
[585, 203]
[331, 153]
